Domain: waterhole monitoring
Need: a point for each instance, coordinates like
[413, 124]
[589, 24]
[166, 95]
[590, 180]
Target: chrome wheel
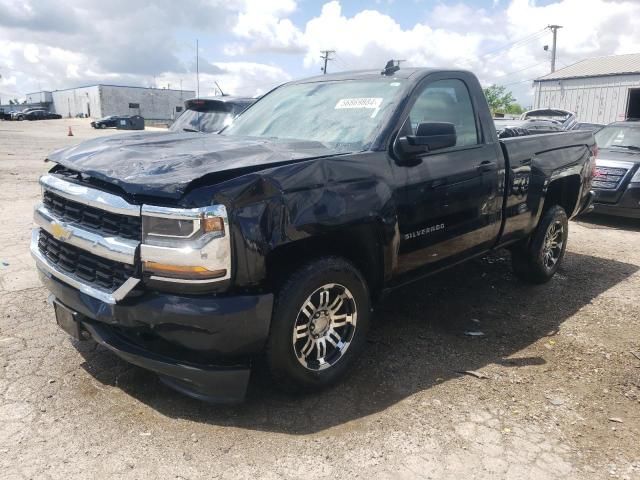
[553, 242]
[324, 327]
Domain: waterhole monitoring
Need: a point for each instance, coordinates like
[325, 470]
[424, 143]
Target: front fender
[278, 207]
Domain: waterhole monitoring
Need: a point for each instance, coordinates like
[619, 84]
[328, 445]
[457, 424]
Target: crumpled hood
[164, 164]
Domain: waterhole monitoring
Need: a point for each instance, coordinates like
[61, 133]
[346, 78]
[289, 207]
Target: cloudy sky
[249, 46]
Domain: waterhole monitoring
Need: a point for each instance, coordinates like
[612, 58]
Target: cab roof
[224, 99]
[414, 74]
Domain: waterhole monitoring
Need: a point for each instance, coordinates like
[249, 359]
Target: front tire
[321, 318]
[538, 260]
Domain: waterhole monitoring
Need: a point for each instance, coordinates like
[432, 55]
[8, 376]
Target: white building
[598, 90]
[101, 100]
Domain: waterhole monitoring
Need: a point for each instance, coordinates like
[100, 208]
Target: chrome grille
[92, 269]
[107, 223]
[608, 178]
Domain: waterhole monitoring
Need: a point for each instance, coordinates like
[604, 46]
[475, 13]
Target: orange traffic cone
[70, 134]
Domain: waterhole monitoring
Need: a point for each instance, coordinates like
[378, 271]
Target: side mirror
[429, 136]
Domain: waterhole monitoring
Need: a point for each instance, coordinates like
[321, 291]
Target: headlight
[180, 227]
[636, 177]
[185, 245]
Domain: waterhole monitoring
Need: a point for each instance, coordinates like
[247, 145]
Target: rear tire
[320, 321]
[537, 260]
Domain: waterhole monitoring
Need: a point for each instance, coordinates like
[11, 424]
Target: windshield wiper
[628, 147]
[190, 130]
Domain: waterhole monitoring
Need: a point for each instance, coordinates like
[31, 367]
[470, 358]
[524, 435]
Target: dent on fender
[288, 203]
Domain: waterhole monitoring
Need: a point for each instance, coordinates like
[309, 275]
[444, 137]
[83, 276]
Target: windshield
[206, 122]
[622, 136]
[341, 114]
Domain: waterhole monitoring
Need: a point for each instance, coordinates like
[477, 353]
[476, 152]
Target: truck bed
[522, 149]
[532, 163]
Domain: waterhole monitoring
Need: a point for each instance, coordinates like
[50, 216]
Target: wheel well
[564, 192]
[360, 245]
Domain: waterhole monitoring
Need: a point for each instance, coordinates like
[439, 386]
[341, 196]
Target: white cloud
[240, 78]
[61, 43]
[503, 45]
[262, 23]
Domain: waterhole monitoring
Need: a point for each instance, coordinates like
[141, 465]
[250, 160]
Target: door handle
[486, 166]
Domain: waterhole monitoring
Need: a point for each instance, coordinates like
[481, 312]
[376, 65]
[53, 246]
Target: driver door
[449, 204]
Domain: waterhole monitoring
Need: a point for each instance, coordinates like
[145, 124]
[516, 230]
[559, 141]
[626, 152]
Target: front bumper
[628, 205]
[198, 345]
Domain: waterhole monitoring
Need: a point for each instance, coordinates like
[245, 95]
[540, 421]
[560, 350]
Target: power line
[326, 57]
[524, 40]
[340, 61]
[516, 83]
[521, 70]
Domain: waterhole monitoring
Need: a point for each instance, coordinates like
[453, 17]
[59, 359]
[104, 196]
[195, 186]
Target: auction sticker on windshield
[373, 103]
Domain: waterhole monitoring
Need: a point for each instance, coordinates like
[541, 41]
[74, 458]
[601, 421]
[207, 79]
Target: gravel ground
[558, 394]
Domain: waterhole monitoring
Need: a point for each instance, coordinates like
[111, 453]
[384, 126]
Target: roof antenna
[390, 68]
[218, 87]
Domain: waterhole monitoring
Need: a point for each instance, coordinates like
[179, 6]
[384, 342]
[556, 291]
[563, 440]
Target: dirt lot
[559, 397]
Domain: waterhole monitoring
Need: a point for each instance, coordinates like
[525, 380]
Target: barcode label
[373, 103]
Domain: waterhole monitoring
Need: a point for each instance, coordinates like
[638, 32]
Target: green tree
[514, 109]
[498, 98]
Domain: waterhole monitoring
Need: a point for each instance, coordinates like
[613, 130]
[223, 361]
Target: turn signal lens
[182, 272]
[213, 224]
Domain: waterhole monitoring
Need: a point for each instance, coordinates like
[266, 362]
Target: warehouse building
[598, 90]
[102, 100]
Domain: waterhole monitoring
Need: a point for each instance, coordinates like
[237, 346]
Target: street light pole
[197, 70]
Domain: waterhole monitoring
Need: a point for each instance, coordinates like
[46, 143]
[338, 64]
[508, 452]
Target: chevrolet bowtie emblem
[59, 232]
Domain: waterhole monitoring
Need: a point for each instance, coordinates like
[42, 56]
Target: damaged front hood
[164, 164]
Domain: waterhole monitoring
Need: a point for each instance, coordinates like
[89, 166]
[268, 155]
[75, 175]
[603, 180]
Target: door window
[446, 101]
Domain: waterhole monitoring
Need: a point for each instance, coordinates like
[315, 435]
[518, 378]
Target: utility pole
[554, 29]
[197, 70]
[326, 57]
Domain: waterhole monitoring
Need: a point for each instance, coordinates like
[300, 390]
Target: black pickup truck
[193, 255]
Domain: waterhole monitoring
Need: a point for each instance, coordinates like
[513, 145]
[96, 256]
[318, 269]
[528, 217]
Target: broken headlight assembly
[188, 246]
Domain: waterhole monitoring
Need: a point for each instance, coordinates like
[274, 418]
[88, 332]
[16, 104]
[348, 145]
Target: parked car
[564, 118]
[617, 181]
[21, 115]
[209, 115]
[5, 115]
[110, 121]
[41, 115]
[593, 127]
[192, 255]
[531, 126]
